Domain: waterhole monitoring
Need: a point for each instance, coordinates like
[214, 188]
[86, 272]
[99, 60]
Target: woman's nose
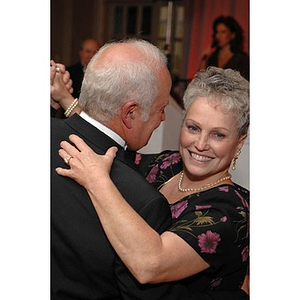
[202, 143]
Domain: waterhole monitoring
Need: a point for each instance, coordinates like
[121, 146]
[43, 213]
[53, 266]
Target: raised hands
[61, 86]
[86, 167]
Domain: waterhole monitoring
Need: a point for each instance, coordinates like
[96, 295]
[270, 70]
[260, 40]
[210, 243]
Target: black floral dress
[215, 223]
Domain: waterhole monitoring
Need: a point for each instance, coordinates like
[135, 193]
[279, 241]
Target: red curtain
[200, 15]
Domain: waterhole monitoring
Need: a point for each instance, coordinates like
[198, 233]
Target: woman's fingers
[64, 155]
[86, 167]
[79, 142]
[65, 172]
[68, 148]
[69, 85]
[61, 67]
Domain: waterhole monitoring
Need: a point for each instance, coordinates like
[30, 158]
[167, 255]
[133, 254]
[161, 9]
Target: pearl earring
[235, 159]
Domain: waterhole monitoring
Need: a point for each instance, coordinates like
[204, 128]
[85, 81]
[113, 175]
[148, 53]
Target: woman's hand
[57, 68]
[86, 167]
[61, 86]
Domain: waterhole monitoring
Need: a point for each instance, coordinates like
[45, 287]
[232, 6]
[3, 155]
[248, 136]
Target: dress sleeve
[144, 162]
[159, 168]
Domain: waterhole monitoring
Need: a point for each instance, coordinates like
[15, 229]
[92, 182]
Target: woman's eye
[218, 135]
[192, 128]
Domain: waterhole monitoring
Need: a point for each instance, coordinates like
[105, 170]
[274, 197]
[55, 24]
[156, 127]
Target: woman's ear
[241, 141]
[128, 113]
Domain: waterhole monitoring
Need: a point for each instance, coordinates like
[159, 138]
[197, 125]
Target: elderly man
[124, 93]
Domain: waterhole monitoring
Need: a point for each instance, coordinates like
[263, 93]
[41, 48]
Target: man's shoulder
[58, 126]
[125, 176]
[57, 123]
[136, 190]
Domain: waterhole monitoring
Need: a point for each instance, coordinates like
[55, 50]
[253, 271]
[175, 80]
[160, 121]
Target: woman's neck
[173, 193]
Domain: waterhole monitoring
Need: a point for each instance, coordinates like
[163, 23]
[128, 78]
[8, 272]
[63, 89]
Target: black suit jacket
[76, 73]
[83, 263]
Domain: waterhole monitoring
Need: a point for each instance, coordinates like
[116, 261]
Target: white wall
[166, 136]
[241, 174]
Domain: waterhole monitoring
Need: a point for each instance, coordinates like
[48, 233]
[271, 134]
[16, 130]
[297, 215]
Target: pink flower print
[215, 282]
[170, 160]
[224, 189]
[245, 253]
[223, 219]
[138, 158]
[178, 208]
[200, 207]
[152, 175]
[208, 242]
[245, 203]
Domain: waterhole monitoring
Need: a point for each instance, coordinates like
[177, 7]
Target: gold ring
[67, 159]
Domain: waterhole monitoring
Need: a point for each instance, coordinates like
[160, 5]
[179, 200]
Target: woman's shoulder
[232, 190]
[159, 168]
[229, 199]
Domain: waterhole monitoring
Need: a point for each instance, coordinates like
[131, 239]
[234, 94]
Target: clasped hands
[61, 85]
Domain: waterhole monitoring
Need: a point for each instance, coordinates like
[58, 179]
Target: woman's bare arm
[151, 257]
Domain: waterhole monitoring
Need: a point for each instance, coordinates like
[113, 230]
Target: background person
[227, 47]
[88, 49]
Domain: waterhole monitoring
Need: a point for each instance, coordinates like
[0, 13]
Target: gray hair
[224, 87]
[108, 86]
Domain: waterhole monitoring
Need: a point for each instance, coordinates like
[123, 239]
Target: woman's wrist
[71, 108]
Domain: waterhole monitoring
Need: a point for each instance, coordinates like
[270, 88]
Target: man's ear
[128, 113]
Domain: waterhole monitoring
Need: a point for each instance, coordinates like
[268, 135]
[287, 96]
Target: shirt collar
[104, 129]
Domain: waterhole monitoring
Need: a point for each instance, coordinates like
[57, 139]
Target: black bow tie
[130, 155]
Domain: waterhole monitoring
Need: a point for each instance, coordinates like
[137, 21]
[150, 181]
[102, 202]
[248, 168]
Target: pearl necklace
[202, 188]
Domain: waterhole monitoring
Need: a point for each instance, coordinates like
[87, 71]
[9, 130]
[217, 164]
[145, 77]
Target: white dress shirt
[104, 129]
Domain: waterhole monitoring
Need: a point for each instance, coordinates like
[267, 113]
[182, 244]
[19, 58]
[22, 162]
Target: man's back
[84, 265]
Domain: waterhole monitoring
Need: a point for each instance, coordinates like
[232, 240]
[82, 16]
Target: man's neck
[112, 134]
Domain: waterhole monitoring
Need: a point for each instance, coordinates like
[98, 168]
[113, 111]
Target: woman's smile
[200, 158]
